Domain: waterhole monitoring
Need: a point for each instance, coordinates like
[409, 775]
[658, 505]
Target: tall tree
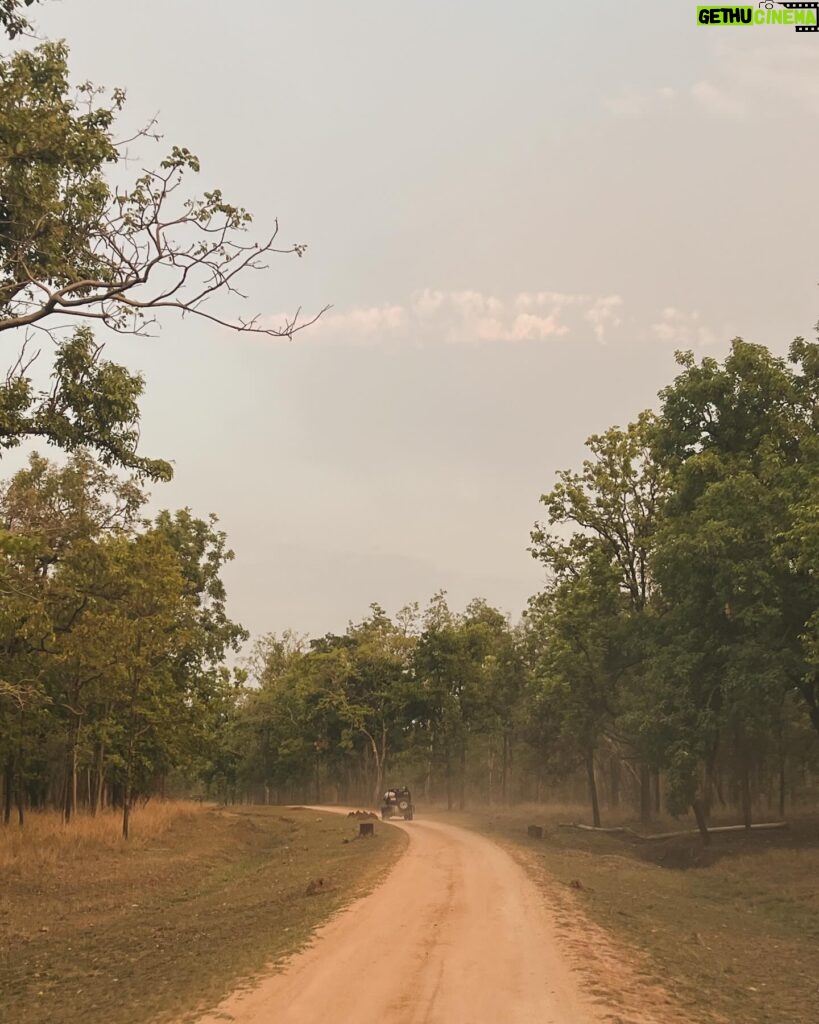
[580, 625]
[612, 508]
[146, 627]
[76, 251]
[73, 246]
[51, 519]
[740, 439]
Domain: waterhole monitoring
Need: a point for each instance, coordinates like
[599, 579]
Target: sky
[517, 211]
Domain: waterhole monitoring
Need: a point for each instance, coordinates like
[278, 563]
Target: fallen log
[594, 828]
[765, 826]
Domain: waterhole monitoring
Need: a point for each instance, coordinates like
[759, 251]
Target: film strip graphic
[804, 7]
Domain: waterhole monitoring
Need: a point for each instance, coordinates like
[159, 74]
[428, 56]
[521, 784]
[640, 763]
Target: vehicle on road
[397, 803]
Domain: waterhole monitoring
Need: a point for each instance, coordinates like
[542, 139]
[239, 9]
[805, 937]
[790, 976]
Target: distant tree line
[671, 659]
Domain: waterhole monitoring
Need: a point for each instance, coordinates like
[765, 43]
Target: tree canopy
[78, 252]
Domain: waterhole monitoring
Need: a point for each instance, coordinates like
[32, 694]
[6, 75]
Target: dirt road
[457, 934]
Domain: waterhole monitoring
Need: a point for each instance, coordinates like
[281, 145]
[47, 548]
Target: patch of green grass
[735, 932]
[155, 931]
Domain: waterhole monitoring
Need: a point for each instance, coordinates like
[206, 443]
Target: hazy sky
[518, 211]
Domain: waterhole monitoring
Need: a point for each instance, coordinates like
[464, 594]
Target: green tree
[12, 19]
[122, 678]
[610, 510]
[461, 666]
[75, 250]
[732, 557]
[145, 629]
[51, 520]
[73, 246]
[376, 696]
[91, 403]
[580, 624]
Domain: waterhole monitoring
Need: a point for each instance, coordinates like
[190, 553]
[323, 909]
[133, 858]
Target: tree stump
[535, 832]
[365, 829]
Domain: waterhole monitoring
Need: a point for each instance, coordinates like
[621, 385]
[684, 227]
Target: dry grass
[730, 930]
[47, 844]
[97, 931]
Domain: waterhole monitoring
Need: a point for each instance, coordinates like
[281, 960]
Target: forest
[670, 660]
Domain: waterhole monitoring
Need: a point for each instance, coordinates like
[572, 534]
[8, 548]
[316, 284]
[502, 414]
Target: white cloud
[685, 330]
[524, 327]
[554, 300]
[374, 321]
[427, 302]
[604, 314]
[476, 304]
[470, 316]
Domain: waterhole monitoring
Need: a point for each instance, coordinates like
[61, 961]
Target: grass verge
[731, 932]
[98, 931]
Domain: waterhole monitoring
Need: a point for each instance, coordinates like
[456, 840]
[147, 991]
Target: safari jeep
[397, 804]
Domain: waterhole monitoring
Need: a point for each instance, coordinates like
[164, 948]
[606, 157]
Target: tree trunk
[698, 808]
[782, 778]
[429, 768]
[382, 764]
[99, 770]
[462, 791]
[8, 791]
[717, 780]
[593, 788]
[126, 801]
[505, 769]
[614, 782]
[810, 691]
[75, 769]
[70, 792]
[645, 795]
[126, 811]
[448, 775]
[20, 781]
[711, 781]
[378, 758]
[658, 803]
[745, 793]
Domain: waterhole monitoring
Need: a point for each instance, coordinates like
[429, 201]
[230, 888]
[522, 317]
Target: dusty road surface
[457, 934]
